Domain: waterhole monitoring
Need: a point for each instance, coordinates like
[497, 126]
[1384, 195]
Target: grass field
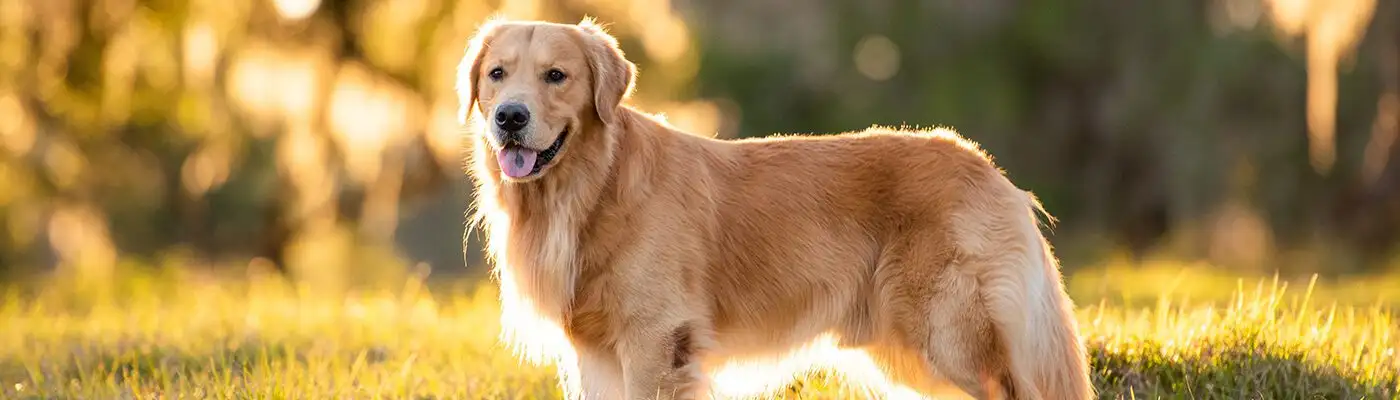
[177, 335]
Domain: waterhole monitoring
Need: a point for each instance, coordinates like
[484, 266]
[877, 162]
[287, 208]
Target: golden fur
[643, 259]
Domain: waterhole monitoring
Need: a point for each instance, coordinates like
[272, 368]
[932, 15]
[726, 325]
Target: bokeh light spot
[296, 9]
[877, 57]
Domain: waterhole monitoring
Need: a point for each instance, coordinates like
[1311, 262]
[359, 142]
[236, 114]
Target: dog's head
[536, 85]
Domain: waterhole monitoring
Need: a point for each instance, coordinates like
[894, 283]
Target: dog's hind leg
[962, 340]
[935, 315]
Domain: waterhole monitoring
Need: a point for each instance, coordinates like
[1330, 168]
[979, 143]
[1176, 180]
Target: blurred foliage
[320, 135]
[1153, 127]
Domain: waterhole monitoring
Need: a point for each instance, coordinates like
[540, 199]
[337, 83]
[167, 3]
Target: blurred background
[318, 137]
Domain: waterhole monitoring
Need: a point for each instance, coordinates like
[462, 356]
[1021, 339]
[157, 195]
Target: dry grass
[174, 335]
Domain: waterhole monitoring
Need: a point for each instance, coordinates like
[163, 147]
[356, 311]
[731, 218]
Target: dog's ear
[613, 74]
[469, 70]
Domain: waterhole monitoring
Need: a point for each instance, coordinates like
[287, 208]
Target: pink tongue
[516, 161]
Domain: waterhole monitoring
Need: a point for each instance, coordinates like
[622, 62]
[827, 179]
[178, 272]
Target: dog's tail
[1035, 319]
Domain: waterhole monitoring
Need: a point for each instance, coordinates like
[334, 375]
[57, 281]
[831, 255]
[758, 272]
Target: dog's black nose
[511, 117]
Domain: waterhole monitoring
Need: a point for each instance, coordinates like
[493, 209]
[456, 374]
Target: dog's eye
[496, 73]
[554, 76]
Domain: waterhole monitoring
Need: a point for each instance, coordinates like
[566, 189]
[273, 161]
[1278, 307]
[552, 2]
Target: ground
[1154, 332]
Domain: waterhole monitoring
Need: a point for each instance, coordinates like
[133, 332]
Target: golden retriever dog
[642, 261]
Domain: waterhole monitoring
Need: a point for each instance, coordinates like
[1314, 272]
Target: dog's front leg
[659, 362]
[600, 374]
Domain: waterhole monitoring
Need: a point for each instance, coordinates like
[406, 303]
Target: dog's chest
[590, 320]
[566, 270]
[537, 267]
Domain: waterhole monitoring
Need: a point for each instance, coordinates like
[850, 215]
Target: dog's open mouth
[519, 161]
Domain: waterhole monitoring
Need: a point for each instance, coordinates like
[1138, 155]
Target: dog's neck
[532, 229]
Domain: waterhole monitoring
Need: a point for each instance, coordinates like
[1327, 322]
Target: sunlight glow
[386, 24]
[201, 53]
[295, 9]
[16, 129]
[533, 339]
[1331, 30]
[760, 377]
[302, 160]
[206, 169]
[64, 162]
[520, 9]
[79, 236]
[698, 117]
[273, 83]
[666, 39]
[367, 116]
[445, 137]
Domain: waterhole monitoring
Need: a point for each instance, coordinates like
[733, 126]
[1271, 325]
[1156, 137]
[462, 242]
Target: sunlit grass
[1261, 344]
[177, 335]
[257, 339]
[1148, 282]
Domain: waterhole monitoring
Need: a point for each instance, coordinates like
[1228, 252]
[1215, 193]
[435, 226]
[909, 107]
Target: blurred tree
[310, 133]
[322, 134]
[1154, 127]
